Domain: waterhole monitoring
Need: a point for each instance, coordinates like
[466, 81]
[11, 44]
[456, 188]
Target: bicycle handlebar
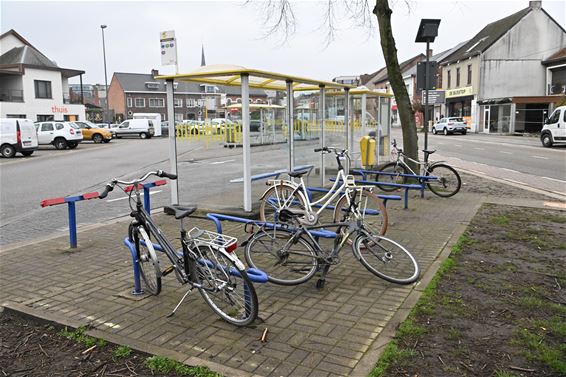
[332, 149]
[110, 186]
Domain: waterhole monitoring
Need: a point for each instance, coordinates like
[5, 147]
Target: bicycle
[292, 256]
[356, 201]
[446, 181]
[206, 260]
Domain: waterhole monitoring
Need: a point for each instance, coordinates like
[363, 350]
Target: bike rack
[71, 210]
[255, 275]
[146, 187]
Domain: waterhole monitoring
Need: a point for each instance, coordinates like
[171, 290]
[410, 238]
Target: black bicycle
[293, 255]
[206, 260]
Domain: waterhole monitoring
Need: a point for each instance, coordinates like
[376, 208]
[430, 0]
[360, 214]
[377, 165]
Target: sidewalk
[311, 332]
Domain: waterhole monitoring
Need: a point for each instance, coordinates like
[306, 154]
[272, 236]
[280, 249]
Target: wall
[463, 65]
[9, 42]
[116, 97]
[512, 65]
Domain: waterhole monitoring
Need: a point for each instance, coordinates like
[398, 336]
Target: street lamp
[102, 27]
[428, 30]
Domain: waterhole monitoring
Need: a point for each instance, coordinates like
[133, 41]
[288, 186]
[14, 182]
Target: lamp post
[107, 111]
[428, 30]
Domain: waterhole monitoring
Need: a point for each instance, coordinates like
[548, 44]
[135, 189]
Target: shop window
[42, 89]
[469, 74]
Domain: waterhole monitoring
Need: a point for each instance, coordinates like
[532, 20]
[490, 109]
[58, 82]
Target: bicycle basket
[216, 240]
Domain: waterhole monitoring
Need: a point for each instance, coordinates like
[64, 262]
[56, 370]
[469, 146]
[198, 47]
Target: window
[156, 102]
[59, 126]
[457, 77]
[47, 127]
[45, 118]
[42, 89]
[18, 116]
[152, 85]
[140, 102]
[469, 74]
[200, 103]
[130, 102]
[178, 102]
[228, 101]
[191, 102]
[178, 117]
[125, 125]
[448, 79]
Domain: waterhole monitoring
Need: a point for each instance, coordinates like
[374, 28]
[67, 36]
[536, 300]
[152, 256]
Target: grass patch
[79, 336]
[164, 365]
[121, 351]
[391, 354]
[502, 373]
[554, 356]
[500, 220]
[453, 334]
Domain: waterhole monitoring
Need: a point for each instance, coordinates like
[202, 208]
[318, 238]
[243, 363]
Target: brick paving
[311, 332]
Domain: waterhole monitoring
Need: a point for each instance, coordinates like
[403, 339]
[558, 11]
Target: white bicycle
[354, 202]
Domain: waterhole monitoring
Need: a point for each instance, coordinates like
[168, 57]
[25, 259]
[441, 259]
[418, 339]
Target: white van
[155, 117]
[17, 135]
[143, 128]
[554, 129]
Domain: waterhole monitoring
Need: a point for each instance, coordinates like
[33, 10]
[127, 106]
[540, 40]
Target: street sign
[432, 67]
[435, 97]
[168, 47]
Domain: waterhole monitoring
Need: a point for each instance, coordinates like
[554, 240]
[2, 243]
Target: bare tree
[280, 16]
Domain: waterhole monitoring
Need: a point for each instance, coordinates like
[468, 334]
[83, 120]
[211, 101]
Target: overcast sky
[234, 33]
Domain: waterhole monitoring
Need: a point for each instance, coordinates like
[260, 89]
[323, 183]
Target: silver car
[450, 125]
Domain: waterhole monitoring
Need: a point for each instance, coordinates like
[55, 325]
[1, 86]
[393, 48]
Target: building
[500, 77]
[33, 86]
[131, 93]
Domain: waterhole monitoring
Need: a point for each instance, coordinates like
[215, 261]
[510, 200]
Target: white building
[31, 85]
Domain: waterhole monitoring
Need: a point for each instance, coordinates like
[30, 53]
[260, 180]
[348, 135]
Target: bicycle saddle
[297, 174]
[429, 151]
[179, 211]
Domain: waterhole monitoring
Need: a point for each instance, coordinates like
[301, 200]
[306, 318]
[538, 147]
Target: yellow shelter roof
[255, 106]
[222, 74]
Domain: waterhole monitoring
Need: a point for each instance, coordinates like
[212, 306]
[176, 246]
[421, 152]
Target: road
[205, 173]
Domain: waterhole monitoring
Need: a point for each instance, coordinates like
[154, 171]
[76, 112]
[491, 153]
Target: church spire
[202, 60]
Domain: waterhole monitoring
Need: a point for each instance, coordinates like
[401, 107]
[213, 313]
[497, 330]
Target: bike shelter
[245, 78]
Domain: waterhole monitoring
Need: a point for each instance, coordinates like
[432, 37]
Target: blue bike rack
[146, 196]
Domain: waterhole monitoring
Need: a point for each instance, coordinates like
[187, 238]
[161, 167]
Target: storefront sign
[168, 47]
[57, 109]
[460, 92]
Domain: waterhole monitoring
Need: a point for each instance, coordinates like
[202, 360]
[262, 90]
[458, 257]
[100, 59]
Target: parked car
[92, 132]
[554, 129]
[17, 135]
[143, 128]
[450, 125]
[60, 134]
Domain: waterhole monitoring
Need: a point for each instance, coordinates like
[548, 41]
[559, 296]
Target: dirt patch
[497, 307]
[29, 347]
[474, 184]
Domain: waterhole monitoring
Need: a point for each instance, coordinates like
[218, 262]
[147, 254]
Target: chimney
[154, 72]
[535, 4]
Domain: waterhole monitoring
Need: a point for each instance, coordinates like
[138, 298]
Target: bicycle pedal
[168, 270]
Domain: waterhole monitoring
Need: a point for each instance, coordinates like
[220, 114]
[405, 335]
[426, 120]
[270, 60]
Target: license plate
[27, 142]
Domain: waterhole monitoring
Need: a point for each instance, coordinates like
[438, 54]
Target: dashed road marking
[505, 152]
[511, 170]
[220, 162]
[554, 179]
[480, 149]
[540, 157]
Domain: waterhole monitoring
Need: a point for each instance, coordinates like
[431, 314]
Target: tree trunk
[406, 114]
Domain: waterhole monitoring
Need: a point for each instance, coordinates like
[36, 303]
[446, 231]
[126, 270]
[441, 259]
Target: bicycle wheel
[367, 207]
[147, 261]
[225, 286]
[448, 182]
[286, 260]
[275, 199]
[395, 169]
[386, 259]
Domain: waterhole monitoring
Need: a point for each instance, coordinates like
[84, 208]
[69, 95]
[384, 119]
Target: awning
[222, 74]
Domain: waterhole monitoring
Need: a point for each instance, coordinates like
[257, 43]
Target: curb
[370, 358]
[51, 318]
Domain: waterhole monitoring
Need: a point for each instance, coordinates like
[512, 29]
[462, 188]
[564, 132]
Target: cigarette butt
[264, 336]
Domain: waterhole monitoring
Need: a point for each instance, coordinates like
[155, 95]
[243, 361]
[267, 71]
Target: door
[45, 133]
[561, 130]
[485, 118]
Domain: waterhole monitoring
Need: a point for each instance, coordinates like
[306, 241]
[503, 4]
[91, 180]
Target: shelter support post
[290, 125]
[172, 142]
[246, 152]
[364, 116]
[349, 133]
[321, 116]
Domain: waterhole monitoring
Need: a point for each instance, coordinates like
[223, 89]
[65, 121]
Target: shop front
[495, 116]
[460, 103]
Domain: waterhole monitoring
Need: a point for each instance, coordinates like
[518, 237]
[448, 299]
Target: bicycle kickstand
[179, 304]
